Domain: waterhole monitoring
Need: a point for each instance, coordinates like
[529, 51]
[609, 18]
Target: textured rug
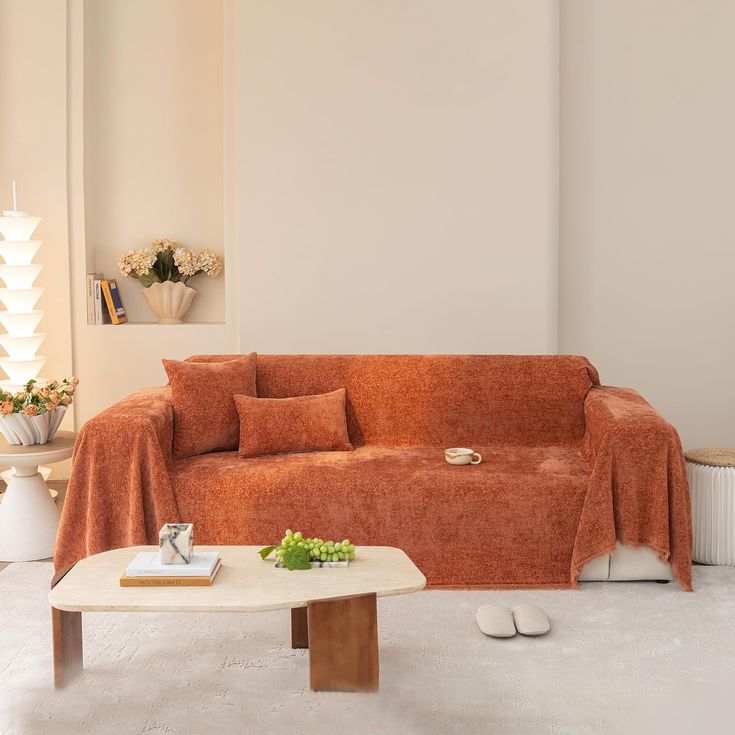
[621, 658]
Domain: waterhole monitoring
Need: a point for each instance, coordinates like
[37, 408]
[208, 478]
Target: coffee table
[333, 611]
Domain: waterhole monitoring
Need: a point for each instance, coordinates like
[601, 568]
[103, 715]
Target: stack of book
[104, 305]
[146, 570]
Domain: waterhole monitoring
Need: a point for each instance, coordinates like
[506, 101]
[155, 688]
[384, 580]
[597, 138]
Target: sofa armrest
[145, 411]
[119, 493]
[621, 412]
[638, 492]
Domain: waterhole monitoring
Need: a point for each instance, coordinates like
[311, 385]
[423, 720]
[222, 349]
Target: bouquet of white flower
[168, 260]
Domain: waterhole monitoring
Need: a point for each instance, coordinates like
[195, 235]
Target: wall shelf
[156, 324]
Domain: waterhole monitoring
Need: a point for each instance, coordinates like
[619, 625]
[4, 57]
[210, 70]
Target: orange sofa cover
[569, 467]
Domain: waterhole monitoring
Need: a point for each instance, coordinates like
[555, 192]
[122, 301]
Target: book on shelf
[91, 307]
[157, 580]
[148, 564]
[101, 315]
[113, 302]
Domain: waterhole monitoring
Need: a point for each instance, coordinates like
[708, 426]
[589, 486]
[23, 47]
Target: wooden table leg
[343, 644]
[66, 628]
[67, 633]
[299, 628]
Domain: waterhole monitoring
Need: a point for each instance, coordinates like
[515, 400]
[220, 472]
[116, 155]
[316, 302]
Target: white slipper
[496, 621]
[531, 620]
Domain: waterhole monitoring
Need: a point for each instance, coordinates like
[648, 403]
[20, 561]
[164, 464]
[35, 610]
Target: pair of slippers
[499, 621]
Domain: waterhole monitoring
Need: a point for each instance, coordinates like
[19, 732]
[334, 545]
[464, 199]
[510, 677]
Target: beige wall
[390, 180]
[33, 152]
[153, 136]
[397, 175]
[114, 142]
[647, 238]
[147, 128]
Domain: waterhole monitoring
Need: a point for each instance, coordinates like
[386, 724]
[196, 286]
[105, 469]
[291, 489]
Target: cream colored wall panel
[33, 116]
[396, 175]
[33, 151]
[146, 142]
[153, 136]
[647, 226]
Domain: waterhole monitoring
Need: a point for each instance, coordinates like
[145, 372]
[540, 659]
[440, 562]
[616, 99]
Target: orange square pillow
[302, 424]
[205, 417]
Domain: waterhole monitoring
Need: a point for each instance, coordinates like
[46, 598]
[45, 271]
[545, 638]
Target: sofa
[572, 471]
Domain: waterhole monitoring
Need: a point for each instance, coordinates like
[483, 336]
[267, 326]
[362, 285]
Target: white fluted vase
[19, 428]
[169, 301]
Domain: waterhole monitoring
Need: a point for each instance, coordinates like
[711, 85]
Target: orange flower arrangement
[35, 400]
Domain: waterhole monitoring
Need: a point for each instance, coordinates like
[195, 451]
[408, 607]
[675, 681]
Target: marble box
[176, 542]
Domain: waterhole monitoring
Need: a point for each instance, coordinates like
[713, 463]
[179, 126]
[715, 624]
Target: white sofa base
[627, 564]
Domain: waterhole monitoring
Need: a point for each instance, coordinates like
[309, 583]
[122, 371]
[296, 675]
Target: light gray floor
[621, 658]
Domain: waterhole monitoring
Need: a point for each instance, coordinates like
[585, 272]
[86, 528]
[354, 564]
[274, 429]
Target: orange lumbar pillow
[301, 424]
[202, 424]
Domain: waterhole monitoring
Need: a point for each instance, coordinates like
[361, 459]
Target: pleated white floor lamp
[19, 296]
[20, 318]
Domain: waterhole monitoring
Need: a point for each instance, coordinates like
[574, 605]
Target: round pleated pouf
[712, 484]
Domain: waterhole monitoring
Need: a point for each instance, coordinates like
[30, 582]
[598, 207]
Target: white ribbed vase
[713, 513]
[18, 428]
[169, 301]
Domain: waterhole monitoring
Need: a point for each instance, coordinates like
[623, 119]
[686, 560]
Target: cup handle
[478, 460]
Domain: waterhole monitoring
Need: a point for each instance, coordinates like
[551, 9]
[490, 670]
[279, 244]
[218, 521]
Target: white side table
[29, 517]
[712, 485]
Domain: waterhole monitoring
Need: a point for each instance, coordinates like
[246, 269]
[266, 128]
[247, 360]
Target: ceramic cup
[462, 455]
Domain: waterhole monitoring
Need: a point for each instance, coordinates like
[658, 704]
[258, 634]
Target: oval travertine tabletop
[245, 583]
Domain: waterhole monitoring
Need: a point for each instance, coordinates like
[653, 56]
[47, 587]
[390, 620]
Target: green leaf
[148, 279]
[266, 551]
[166, 264]
[297, 557]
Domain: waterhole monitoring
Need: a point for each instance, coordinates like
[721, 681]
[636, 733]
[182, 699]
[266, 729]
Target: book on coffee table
[146, 570]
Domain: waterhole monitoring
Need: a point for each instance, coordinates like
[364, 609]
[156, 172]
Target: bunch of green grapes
[318, 549]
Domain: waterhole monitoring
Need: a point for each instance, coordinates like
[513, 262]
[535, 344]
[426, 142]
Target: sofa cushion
[299, 424]
[511, 520]
[442, 400]
[205, 418]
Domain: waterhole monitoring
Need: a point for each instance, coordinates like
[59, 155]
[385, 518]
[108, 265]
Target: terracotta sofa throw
[205, 418]
[569, 467]
[300, 424]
